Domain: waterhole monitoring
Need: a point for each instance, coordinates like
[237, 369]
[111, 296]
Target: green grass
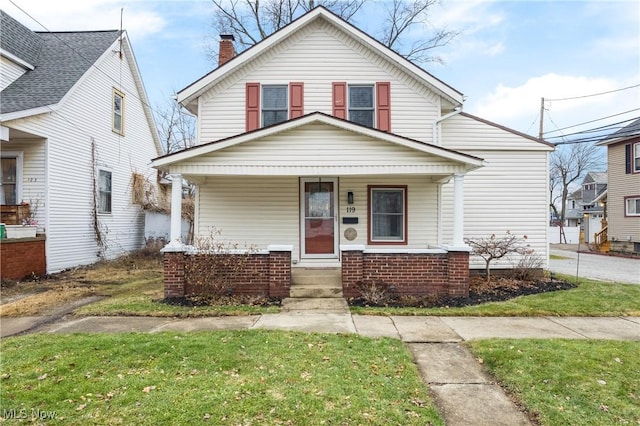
[590, 298]
[568, 382]
[228, 377]
[556, 257]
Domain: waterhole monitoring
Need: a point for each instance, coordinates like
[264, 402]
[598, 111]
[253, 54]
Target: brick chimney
[226, 51]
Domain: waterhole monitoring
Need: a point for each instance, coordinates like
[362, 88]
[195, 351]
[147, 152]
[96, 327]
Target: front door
[318, 217]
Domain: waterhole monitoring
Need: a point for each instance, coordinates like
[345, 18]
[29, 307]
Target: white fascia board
[26, 113]
[196, 89]
[471, 161]
[17, 60]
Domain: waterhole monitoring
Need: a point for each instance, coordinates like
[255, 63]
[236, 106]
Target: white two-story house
[324, 150]
[77, 136]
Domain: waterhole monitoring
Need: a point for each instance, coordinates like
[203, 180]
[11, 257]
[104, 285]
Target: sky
[508, 55]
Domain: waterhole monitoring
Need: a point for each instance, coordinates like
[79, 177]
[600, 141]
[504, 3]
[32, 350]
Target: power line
[592, 121]
[595, 129]
[595, 94]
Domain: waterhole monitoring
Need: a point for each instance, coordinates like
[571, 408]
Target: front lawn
[230, 377]
[589, 298]
[568, 382]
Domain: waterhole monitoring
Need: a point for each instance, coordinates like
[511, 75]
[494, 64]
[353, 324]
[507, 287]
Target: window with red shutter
[365, 104]
[252, 121]
[383, 106]
[340, 100]
[296, 100]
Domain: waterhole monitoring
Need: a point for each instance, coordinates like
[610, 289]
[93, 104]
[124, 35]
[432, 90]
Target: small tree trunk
[487, 271]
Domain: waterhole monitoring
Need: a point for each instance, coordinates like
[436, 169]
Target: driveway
[595, 266]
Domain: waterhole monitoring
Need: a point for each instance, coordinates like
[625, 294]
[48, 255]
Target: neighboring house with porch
[332, 155]
[623, 192]
[77, 136]
[592, 203]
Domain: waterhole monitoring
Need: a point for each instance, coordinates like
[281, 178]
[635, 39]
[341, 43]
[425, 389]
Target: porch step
[332, 304]
[316, 283]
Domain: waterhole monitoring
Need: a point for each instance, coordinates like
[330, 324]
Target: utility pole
[541, 118]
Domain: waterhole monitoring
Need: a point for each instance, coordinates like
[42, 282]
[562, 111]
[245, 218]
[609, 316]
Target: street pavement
[595, 266]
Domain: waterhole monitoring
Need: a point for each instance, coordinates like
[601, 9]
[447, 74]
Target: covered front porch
[371, 208]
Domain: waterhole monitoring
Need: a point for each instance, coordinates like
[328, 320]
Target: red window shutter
[296, 100]
[253, 106]
[340, 100]
[383, 106]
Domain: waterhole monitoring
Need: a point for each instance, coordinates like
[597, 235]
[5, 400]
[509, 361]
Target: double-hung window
[118, 112]
[632, 206]
[10, 175]
[361, 106]
[636, 157]
[274, 104]
[388, 215]
[104, 191]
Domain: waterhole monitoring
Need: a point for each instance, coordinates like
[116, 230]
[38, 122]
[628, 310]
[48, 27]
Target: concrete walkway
[464, 392]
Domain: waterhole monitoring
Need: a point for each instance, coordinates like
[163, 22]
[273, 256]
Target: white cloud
[138, 17]
[519, 105]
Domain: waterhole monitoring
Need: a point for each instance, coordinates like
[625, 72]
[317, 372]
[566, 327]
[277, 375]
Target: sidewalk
[463, 391]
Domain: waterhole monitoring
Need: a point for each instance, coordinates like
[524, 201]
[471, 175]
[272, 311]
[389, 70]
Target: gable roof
[197, 88]
[596, 177]
[629, 131]
[60, 59]
[470, 161]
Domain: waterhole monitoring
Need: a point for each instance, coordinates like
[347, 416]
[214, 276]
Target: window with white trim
[118, 112]
[387, 208]
[632, 206]
[9, 183]
[636, 157]
[104, 191]
[361, 104]
[274, 104]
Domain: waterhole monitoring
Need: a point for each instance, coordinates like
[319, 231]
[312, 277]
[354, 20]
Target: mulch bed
[500, 289]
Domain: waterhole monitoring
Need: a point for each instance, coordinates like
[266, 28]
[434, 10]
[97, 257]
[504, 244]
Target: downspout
[437, 141]
[436, 132]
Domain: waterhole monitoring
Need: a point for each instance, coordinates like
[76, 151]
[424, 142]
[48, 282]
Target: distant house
[333, 155]
[573, 211]
[77, 137]
[593, 201]
[623, 193]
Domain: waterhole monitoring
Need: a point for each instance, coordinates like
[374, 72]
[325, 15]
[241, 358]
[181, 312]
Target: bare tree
[493, 248]
[175, 126]
[568, 164]
[251, 21]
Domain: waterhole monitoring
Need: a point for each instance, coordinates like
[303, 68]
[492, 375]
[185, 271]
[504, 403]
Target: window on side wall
[118, 112]
[388, 215]
[632, 206]
[274, 104]
[9, 183]
[636, 157]
[104, 191]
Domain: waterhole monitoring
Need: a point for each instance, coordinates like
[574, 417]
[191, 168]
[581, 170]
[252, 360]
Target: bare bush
[494, 247]
[529, 268]
[374, 292]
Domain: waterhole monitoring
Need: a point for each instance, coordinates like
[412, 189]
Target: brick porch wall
[416, 274]
[261, 274]
[22, 257]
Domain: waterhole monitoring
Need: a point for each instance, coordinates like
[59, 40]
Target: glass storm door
[318, 218]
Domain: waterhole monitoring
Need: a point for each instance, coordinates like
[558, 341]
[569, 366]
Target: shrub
[374, 292]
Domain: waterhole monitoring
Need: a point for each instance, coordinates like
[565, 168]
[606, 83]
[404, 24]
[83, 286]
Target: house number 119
[351, 209]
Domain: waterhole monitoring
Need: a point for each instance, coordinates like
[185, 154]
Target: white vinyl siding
[81, 125]
[10, 72]
[303, 58]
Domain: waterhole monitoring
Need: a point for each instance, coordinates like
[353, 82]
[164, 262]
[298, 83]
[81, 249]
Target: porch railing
[601, 240]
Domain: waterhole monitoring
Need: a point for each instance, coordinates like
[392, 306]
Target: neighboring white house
[321, 143]
[77, 132]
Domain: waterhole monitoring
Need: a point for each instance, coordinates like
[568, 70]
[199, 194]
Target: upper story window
[361, 107]
[270, 104]
[365, 104]
[274, 104]
[104, 191]
[632, 206]
[636, 157]
[118, 112]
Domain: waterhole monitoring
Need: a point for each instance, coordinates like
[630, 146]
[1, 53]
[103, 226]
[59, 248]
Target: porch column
[176, 208]
[458, 210]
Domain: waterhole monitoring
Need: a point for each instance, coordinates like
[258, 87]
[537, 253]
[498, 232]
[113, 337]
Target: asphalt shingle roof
[62, 59]
[630, 130]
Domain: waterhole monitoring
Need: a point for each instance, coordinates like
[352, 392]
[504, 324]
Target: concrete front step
[315, 304]
[315, 291]
[331, 277]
